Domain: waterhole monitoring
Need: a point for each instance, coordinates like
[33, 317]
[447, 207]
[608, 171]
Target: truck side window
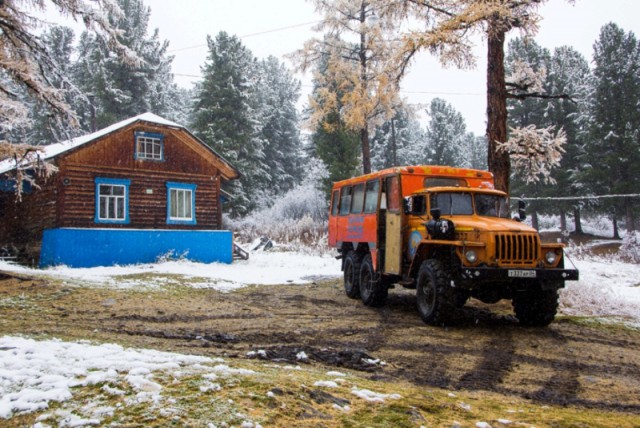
[419, 206]
[357, 199]
[335, 202]
[345, 200]
[371, 197]
[393, 194]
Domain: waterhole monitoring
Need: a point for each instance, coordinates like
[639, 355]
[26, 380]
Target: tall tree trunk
[534, 220]
[577, 220]
[629, 215]
[614, 219]
[364, 132]
[563, 220]
[366, 150]
[499, 162]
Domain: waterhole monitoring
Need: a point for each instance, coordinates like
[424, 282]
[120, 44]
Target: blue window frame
[181, 203]
[112, 200]
[149, 146]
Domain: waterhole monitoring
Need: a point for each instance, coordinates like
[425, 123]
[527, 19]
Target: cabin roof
[53, 150]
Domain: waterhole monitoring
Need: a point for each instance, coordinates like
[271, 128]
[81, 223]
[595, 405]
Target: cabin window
[345, 200]
[371, 199]
[335, 198]
[149, 146]
[358, 199]
[112, 200]
[181, 203]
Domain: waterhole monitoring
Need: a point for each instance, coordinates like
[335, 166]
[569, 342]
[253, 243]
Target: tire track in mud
[484, 350]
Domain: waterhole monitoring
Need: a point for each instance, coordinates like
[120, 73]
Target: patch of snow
[374, 397]
[36, 373]
[260, 269]
[302, 356]
[326, 384]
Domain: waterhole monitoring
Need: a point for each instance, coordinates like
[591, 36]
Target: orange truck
[447, 233]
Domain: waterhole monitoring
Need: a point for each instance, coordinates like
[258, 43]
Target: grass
[283, 396]
[277, 395]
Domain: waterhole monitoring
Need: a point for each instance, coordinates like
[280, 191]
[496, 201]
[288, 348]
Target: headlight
[550, 257]
[471, 256]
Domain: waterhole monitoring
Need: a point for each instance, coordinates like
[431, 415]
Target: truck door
[393, 230]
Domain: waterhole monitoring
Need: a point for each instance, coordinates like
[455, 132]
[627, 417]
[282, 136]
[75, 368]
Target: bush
[630, 248]
[295, 221]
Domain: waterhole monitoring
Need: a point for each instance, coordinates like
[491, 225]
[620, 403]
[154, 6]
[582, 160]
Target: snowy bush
[630, 248]
[296, 220]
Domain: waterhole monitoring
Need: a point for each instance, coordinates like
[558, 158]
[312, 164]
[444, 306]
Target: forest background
[247, 109]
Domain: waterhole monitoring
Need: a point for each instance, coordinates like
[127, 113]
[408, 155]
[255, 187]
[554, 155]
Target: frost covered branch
[28, 68]
[534, 151]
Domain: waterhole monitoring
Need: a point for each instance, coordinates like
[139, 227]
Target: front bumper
[513, 274]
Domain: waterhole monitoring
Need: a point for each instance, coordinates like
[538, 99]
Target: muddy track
[568, 363]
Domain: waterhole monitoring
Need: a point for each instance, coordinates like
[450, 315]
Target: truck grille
[517, 250]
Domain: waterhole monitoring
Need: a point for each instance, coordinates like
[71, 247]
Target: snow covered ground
[36, 373]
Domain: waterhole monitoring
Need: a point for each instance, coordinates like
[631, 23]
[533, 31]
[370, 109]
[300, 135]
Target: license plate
[522, 273]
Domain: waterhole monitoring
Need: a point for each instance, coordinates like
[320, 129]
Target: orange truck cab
[447, 233]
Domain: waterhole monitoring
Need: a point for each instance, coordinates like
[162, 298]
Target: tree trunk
[534, 220]
[616, 232]
[577, 221]
[364, 132]
[498, 162]
[564, 231]
[366, 150]
[629, 215]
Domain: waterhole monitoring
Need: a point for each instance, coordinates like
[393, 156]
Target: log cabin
[135, 191]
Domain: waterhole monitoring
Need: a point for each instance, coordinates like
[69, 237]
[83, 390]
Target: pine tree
[277, 92]
[118, 91]
[44, 128]
[569, 73]
[445, 133]
[613, 152]
[399, 141]
[225, 117]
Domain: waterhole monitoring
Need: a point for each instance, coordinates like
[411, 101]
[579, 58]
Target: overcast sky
[279, 27]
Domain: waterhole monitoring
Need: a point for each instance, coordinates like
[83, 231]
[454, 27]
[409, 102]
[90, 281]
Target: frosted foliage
[297, 218]
[525, 78]
[534, 152]
[359, 51]
[631, 246]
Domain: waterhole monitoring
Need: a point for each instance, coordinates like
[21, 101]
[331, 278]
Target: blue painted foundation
[107, 247]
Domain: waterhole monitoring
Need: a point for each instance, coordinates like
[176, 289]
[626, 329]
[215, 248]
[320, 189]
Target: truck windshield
[452, 203]
[491, 206]
[461, 203]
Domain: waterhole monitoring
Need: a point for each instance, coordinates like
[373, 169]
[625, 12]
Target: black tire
[536, 307]
[433, 293]
[352, 275]
[373, 291]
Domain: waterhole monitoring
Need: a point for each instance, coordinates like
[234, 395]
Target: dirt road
[572, 362]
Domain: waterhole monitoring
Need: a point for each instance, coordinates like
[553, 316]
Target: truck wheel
[373, 291]
[352, 275]
[536, 308]
[432, 293]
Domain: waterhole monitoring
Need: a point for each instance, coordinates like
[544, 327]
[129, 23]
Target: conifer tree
[119, 91]
[225, 117]
[612, 157]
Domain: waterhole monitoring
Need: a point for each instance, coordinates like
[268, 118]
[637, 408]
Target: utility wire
[274, 30]
[579, 198]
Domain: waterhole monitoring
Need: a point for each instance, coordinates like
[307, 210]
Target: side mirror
[435, 213]
[521, 210]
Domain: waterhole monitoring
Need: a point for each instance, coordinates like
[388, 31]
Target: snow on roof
[53, 150]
